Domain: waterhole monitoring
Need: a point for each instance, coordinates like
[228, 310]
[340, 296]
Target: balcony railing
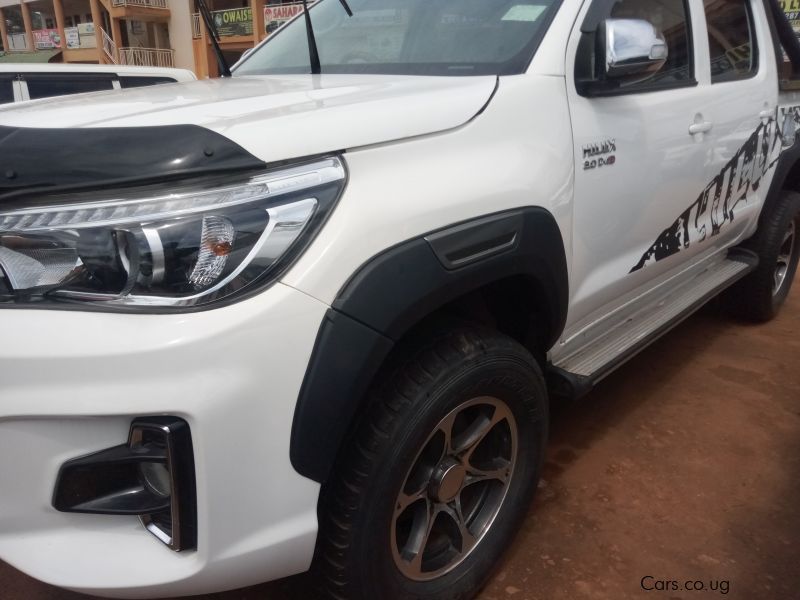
[141, 3]
[147, 57]
[109, 47]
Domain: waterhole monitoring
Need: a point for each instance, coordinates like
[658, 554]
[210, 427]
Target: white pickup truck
[312, 315]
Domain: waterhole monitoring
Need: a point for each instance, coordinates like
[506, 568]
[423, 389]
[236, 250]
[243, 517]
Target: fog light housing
[151, 476]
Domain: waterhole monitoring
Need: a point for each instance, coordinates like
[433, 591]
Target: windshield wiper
[224, 67]
[313, 52]
[346, 7]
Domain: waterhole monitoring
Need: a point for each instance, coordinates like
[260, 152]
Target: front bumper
[71, 383]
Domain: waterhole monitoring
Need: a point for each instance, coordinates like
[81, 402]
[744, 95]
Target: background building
[162, 33]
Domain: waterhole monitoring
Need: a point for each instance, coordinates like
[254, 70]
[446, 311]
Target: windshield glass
[410, 37]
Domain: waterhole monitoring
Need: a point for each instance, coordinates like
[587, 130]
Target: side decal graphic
[716, 205]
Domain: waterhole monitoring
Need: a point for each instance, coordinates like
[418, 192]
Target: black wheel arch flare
[398, 288]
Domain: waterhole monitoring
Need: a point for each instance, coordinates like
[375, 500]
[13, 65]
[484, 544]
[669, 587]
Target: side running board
[575, 374]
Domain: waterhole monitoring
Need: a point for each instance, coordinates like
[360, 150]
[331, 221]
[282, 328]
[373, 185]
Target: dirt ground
[683, 466]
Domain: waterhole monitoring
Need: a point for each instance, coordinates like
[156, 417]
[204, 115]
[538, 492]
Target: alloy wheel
[455, 489]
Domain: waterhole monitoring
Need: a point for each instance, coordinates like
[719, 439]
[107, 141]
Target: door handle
[702, 127]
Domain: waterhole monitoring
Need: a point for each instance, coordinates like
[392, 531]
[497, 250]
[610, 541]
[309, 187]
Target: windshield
[410, 37]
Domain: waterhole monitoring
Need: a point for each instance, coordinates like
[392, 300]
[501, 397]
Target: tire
[460, 381]
[759, 296]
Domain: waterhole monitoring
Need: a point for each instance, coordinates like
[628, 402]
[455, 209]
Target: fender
[398, 288]
[784, 174]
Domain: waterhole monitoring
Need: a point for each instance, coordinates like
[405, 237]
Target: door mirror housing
[634, 49]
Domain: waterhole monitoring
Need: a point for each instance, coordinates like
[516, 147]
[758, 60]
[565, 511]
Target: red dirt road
[682, 466]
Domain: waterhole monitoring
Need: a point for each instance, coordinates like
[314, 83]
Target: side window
[133, 82]
[47, 86]
[731, 40]
[6, 91]
[671, 20]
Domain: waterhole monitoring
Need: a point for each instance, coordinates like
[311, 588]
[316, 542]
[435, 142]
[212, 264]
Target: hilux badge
[597, 155]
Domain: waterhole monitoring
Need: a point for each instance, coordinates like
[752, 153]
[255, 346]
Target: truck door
[738, 92]
[640, 149]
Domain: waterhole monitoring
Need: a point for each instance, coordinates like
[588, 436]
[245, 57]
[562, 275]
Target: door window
[731, 42]
[6, 91]
[47, 86]
[671, 18]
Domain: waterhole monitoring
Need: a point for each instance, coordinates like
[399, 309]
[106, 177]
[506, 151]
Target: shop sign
[792, 10]
[73, 37]
[276, 15]
[86, 33]
[237, 21]
[46, 39]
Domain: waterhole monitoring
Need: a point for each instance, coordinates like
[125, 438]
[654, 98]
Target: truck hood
[277, 117]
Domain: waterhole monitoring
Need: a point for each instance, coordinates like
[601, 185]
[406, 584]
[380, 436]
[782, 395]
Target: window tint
[671, 18]
[133, 82]
[731, 41]
[47, 86]
[6, 91]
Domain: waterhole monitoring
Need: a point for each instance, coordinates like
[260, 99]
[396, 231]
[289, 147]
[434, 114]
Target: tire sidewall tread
[404, 407]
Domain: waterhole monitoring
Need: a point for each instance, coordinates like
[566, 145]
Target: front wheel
[440, 472]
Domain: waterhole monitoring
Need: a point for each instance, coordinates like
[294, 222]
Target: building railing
[141, 3]
[196, 34]
[109, 47]
[147, 57]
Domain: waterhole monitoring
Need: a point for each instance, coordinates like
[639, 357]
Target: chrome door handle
[702, 127]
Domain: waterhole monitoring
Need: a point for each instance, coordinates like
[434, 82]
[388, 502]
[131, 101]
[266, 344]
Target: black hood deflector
[56, 160]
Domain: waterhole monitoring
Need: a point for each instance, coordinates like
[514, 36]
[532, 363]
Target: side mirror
[634, 49]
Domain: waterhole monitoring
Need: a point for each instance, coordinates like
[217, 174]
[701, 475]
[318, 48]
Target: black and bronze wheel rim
[455, 489]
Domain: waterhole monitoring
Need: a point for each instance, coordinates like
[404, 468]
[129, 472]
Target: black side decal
[716, 205]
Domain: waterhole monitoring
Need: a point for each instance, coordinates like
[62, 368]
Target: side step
[575, 374]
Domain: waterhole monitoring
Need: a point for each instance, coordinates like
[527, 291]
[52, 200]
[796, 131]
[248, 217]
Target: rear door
[737, 69]
[637, 164]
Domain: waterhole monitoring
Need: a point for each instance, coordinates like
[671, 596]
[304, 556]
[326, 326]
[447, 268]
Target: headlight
[187, 248]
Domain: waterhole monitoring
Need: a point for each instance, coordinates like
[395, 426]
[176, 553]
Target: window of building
[731, 41]
[671, 18]
[47, 86]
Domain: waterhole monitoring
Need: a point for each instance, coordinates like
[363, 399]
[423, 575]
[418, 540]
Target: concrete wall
[180, 33]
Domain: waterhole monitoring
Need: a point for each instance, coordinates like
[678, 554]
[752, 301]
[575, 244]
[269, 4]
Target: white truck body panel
[423, 153]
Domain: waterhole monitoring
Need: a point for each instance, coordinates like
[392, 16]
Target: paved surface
[682, 466]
